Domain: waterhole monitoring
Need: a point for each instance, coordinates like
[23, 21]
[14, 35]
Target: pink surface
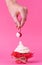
[32, 32]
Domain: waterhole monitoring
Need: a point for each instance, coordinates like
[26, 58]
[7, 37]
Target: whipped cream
[21, 48]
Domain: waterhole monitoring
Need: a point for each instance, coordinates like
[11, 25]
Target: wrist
[9, 2]
[13, 1]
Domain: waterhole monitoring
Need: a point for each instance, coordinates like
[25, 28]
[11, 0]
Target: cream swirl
[21, 48]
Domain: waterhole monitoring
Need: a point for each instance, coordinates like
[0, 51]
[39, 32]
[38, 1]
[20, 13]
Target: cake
[21, 53]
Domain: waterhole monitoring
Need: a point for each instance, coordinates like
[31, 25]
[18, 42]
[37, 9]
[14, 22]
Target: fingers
[23, 12]
[26, 10]
[16, 21]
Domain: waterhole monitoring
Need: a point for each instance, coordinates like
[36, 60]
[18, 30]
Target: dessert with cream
[21, 53]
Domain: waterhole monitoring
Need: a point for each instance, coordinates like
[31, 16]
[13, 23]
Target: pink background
[32, 31]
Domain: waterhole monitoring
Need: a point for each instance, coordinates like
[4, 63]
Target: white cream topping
[21, 48]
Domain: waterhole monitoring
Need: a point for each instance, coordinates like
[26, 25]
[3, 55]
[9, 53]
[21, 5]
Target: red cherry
[20, 34]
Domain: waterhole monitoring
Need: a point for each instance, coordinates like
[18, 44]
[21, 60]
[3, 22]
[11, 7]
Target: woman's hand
[15, 9]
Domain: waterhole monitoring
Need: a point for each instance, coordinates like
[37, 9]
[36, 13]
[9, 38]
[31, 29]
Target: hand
[15, 9]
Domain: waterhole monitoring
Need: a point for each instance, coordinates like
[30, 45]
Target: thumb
[17, 21]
